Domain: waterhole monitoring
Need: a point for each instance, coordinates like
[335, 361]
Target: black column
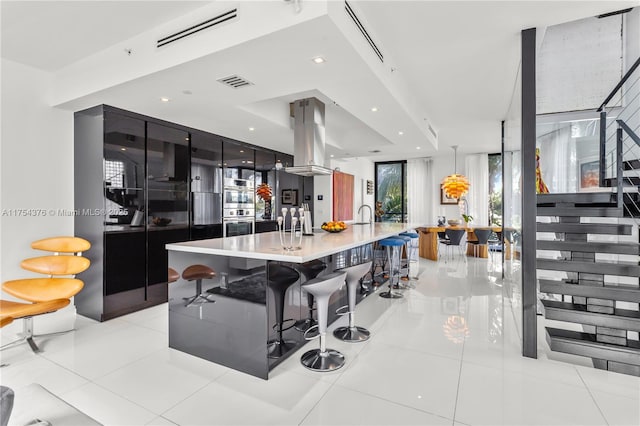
[529, 292]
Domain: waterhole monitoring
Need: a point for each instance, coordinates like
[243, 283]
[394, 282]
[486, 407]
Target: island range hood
[308, 138]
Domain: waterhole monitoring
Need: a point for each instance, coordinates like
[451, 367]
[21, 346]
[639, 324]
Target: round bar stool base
[318, 361]
[355, 334]
[277, 348]
[304, 324]
[391, 295]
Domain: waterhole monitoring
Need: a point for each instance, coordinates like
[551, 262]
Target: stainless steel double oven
[238, 216]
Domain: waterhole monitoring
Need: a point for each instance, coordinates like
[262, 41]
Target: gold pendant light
[455, 185]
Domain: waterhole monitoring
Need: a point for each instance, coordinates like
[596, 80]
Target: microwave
[238, 183]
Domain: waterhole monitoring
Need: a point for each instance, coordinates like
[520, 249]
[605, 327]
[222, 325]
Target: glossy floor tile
[447, 353]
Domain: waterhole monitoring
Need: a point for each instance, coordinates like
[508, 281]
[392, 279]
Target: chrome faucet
[370, 212]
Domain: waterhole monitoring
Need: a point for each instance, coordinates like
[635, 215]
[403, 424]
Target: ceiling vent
[433, 132]
[235, 81]
[364, 32]
[224, 17]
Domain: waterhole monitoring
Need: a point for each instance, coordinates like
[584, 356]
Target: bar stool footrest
[304, 324]
[276, 329]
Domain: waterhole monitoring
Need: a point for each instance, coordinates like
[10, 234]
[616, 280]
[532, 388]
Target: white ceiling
[458, 59]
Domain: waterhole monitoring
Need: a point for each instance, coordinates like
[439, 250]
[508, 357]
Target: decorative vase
[267, 210]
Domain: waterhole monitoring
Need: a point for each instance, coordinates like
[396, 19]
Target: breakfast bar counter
[226, 311]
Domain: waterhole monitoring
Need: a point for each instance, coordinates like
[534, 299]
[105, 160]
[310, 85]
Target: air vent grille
[235, 81]
[364, 32]
[433, 132]
[227, 16]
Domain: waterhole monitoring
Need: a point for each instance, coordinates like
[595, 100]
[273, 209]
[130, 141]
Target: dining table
[428, 243]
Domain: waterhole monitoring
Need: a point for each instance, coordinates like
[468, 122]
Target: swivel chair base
[391, 295]
[352, 334]
[198, 300]
[277, 348]
[322, 361]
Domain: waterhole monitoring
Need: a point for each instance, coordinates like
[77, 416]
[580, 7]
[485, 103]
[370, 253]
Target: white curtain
[477, 171]
[420, 199]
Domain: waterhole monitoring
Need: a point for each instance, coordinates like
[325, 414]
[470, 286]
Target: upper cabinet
[206, 163]
[239, 160]
[124, 152]
[167, 157]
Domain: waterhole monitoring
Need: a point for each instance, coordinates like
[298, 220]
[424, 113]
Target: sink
[361, 223]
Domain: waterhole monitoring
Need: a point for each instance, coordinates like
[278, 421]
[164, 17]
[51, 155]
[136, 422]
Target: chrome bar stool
[411, 252]
[198, 273]
[279, 279]
[310, 270]
[353, 333]
[393, 247]
[406, 240]
[322, 288]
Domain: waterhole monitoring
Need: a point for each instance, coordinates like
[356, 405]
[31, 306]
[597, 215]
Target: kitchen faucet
[370, 212]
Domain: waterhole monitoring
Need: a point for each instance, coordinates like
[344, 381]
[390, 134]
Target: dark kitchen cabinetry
[145, 172]
[141, 183]
[206, 186]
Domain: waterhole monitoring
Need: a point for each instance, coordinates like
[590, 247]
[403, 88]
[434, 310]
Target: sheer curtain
[477, 171]
[420, 198]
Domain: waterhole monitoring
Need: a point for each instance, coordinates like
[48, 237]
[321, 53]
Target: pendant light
[455, 185]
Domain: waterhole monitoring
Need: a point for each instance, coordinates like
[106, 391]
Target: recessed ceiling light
[241, 150]
[251, 129]
[243, 162]
[249, 162]
[319, 60]
[401, 133]
[123, 149]
[417, 147]
[165, 99]
[374, 109]
[331, 156]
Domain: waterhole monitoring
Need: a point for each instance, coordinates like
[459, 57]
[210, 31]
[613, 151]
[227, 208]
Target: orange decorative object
[541, 187]
[455, 186]
[264, 191]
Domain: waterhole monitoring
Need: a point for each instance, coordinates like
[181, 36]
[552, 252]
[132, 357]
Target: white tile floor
[447, 353]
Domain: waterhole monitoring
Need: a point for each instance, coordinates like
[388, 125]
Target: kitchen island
[236, 316]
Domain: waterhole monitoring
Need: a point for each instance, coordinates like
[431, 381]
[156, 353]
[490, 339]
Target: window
[495, 189]
[114, 173]
[391, 191]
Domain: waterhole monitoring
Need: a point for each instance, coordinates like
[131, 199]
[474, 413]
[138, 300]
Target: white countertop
[267, 246]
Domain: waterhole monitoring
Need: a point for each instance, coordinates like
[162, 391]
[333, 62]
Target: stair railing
[629, 91]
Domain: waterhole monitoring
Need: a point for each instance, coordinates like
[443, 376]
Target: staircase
[590, 294]
[598, 300]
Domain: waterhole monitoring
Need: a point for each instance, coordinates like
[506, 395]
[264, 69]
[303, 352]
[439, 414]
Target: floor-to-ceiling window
[391, 191]
[495, 189]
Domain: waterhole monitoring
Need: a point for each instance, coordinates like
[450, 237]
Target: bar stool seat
[353, 333]
[279, 279]
[198, 273]
[172, 275]
[310, 270]
[392, 246]
[322, 288]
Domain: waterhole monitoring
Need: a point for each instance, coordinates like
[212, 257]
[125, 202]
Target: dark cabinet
[142, 183]
[145, 175]
[206, 186]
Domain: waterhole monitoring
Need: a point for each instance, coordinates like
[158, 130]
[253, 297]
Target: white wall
[362, 169]
[36, 172]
